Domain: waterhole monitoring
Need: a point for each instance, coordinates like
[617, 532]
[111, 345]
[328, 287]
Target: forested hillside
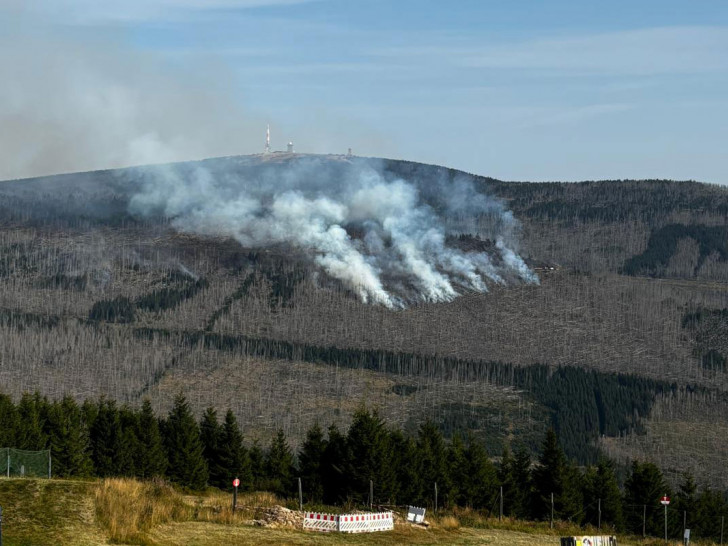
[619, 345]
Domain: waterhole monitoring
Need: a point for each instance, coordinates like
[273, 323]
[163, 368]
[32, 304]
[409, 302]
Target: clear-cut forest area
[620, 345]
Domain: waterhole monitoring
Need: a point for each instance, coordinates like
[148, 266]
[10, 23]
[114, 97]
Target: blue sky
[557, 90]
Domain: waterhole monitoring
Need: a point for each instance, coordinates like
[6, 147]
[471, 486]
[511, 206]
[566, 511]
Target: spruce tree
[431, 448]
[554, 475]
[210, 437]
[29, 433]
[151, 457]
[370, 446]
[68, 439]
[279, 466]
[458, 474]
[644, 488]
[600, 485]
[336, 468]
[257, 466]
[406, 462]
[106, 439]
[128, 443]
[9, 420]
[234, 458]
[482, 480]
[310, 461]
[187, 465]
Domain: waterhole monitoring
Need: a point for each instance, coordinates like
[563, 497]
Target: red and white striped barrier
[366, 523]
[313, 521]
[349, 523]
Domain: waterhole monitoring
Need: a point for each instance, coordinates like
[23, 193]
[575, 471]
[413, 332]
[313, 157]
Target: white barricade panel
[313, 521]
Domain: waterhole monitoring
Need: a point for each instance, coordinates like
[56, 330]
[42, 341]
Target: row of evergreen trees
[98, 438]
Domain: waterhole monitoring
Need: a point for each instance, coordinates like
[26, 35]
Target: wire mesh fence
[21, 463]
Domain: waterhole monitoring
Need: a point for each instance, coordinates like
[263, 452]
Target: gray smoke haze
[85, 101]
[383, 236]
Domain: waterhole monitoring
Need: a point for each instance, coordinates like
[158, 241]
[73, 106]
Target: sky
[517, 90]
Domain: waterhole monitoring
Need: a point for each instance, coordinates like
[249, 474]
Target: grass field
[125, 511]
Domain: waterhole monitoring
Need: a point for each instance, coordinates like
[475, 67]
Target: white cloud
[115, 11]
[634, 52]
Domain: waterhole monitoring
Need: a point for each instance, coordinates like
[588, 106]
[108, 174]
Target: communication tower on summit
[267, 140]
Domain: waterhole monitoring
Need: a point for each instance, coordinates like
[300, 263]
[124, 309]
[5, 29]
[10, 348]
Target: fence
[349, 523]
[19, 462]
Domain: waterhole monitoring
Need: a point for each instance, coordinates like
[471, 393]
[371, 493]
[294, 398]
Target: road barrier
[589, 541]
[349, 523]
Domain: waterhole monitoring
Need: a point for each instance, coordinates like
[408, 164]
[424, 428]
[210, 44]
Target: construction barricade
[349, 523]
[589, 541]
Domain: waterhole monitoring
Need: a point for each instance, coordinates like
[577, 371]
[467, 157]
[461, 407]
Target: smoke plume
[387, 237]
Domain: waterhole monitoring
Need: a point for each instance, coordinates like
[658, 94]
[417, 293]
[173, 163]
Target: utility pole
[552, 510]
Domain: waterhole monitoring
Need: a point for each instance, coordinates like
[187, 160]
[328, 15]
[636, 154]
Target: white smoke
[383, 236]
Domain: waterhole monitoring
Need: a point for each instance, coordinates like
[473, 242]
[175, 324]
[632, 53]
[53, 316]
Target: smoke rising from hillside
[383, 236]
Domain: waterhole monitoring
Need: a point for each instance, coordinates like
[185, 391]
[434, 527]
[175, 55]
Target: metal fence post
[552, 510]
[371, 494]
[300, 495]
[644, 520]
[435, 497]
[49, 467]
[8, 462]
[722, 522]
[599, 520]
[500, 515]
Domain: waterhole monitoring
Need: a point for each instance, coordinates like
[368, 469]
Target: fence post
[500, 516]
[49, 467]
[644, 520]
[685, 521]
[722, 521]
[552, 510]
[300, 495]
[371, 494]
[8, 462]
[599, 511]
[435, 497]
[1, 526]
[666, 524]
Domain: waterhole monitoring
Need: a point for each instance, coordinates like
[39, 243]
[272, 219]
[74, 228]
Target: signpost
[665, 501]
[236, 483]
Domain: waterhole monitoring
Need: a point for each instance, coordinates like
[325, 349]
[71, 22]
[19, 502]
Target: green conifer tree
[68, 439]
[187, 465]
[482, 479]
[106, 440]
[602, 490]
[257, 466]
[210, 437]
[458, 474]
[431, 448]
[279, 466]
[336, 468]
[310, 461]
[151, 459]
[234, 458]
[407, 465]
[370, 446]
[554, 475]
[9, 420]
[643, 489]
[29, 433]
